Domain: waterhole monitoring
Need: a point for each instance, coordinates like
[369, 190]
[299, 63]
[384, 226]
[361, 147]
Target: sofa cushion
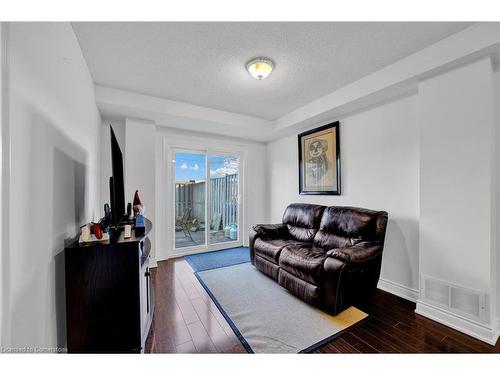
[303, 262]
[347, 226]
[328, 240]
[302, 220]
[270, 249]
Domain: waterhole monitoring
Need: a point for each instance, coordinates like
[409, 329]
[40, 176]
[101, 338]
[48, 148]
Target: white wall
[3, 262]
[496, 86]
[140, 169]
[458, 192]
[456, 135]
[379, 166]
[55, 129]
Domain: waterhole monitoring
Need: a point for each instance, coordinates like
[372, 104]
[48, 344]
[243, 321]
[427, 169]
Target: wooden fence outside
[223, 200]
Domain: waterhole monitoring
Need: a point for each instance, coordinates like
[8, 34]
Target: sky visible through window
[190, 167]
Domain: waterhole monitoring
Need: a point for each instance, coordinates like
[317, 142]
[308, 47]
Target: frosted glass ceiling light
[260, 67]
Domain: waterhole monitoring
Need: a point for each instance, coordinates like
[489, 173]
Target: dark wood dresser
[109, 301]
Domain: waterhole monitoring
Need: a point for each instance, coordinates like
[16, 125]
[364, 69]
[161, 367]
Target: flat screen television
[116, 186]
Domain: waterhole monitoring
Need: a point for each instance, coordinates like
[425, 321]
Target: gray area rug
[266, 317]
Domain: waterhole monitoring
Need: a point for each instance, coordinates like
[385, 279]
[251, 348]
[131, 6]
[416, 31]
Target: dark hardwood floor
[187, 321]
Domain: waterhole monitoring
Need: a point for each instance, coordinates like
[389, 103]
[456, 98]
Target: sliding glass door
[206, 199]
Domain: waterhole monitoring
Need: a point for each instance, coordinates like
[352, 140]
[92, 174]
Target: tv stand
[109, 300]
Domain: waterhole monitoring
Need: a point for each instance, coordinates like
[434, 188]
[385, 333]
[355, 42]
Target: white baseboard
[480, 331]
[398, 289]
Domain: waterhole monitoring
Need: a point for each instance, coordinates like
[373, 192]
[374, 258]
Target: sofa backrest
[346, 226]
[302, 220]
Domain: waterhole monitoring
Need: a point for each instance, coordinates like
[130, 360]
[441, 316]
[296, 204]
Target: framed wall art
[319, 160]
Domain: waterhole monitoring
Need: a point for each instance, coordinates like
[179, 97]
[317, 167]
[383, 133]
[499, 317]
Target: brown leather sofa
[329, 257]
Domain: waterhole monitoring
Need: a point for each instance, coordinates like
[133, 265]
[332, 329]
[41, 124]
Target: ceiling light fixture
[260, 67]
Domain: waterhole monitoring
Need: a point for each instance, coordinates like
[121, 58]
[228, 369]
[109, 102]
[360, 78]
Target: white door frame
[210, 147]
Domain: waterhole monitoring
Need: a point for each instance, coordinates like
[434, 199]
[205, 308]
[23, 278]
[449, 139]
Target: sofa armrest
[265, 231]
[271, 230]
[361, 252]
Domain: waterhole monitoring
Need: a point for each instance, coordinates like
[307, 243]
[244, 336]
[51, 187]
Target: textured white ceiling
[203, 63]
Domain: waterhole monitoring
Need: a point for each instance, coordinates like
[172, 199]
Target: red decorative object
[137, 205]
[96, 230]
[137, 200]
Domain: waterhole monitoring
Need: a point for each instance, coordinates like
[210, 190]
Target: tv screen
[117, 191]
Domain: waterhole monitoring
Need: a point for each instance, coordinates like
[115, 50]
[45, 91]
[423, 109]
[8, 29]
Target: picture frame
[319, 160]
